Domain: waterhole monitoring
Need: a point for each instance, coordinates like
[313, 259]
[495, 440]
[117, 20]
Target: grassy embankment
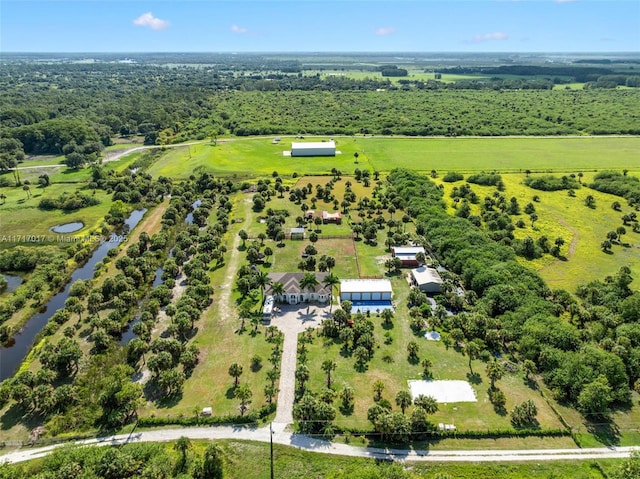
[252, 459]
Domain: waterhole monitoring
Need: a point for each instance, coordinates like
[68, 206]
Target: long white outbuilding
[314, 148]
[365, 290]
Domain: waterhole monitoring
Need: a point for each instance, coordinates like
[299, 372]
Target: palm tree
[243, 236]
[328, 366]
[403, 400]
[244, 394]
[330, 281]
[428, 403]
[235, 370]
[378, 387]
[495, 371]
[262, 279]
[309, 281]
[472, 350]
[182, 445]
[277, 289]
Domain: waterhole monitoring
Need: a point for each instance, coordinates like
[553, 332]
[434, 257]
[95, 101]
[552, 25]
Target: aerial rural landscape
[332, 265]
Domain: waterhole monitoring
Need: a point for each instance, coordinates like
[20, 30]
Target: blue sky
[332, 26]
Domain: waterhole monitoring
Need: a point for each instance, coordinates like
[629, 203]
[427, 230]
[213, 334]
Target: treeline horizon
[49, 106]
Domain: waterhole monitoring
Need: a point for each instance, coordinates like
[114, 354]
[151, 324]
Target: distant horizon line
[341, 52]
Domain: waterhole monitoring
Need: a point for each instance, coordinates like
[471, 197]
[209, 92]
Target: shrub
[452, 176]
[485, 179]
[551, 183]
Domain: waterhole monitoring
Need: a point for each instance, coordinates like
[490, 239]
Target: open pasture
[257, 157]
[503, 154]
[582, 228]
[20, 215]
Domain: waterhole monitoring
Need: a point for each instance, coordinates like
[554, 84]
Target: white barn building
[318, 148]
[367, 295]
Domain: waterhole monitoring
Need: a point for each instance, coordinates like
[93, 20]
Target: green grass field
[21, 216]
[394, 373]
[582, 228]
[257, 157]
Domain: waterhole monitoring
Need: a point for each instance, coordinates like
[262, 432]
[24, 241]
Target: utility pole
[271, 445]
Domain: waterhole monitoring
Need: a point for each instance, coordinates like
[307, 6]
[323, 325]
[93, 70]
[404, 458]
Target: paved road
[113, 155]
[280, 436]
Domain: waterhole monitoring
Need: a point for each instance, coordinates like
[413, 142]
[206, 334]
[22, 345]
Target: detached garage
[426, 279]
[372, 295]
[320, 148]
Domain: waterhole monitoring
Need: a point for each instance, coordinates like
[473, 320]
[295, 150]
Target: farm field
[503, 154]
[256, 157]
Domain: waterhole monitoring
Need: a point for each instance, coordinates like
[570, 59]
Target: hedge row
[252, 417]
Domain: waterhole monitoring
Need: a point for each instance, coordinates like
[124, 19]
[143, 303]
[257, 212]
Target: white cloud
[148, 20]
[238, 30]
[384, 31]
[564, 1]
[490, 36]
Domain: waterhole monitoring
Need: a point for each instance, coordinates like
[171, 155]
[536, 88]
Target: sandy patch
[443, 391]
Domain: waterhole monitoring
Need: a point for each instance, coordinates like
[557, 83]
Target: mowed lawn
[396, 370]
[503, 154]
[257, 157]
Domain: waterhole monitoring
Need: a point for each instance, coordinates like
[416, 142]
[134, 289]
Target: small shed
[207, 411]
[296, 233]
[426, 279]
[317, 148]
[332, 217]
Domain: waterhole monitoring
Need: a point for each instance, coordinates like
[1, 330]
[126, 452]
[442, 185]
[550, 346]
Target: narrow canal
[12, 355]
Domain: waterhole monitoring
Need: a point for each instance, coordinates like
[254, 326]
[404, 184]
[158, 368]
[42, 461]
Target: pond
[12, 355]
[195, 205]
[68, 227]
[12, 283]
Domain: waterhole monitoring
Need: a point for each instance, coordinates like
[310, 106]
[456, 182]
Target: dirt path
[225, 308]
[113, 155]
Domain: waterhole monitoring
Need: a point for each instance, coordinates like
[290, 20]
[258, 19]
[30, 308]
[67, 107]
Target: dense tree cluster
[47, 266]
[619, 184]
[552, 183]
[68, 201]
[575, 347]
